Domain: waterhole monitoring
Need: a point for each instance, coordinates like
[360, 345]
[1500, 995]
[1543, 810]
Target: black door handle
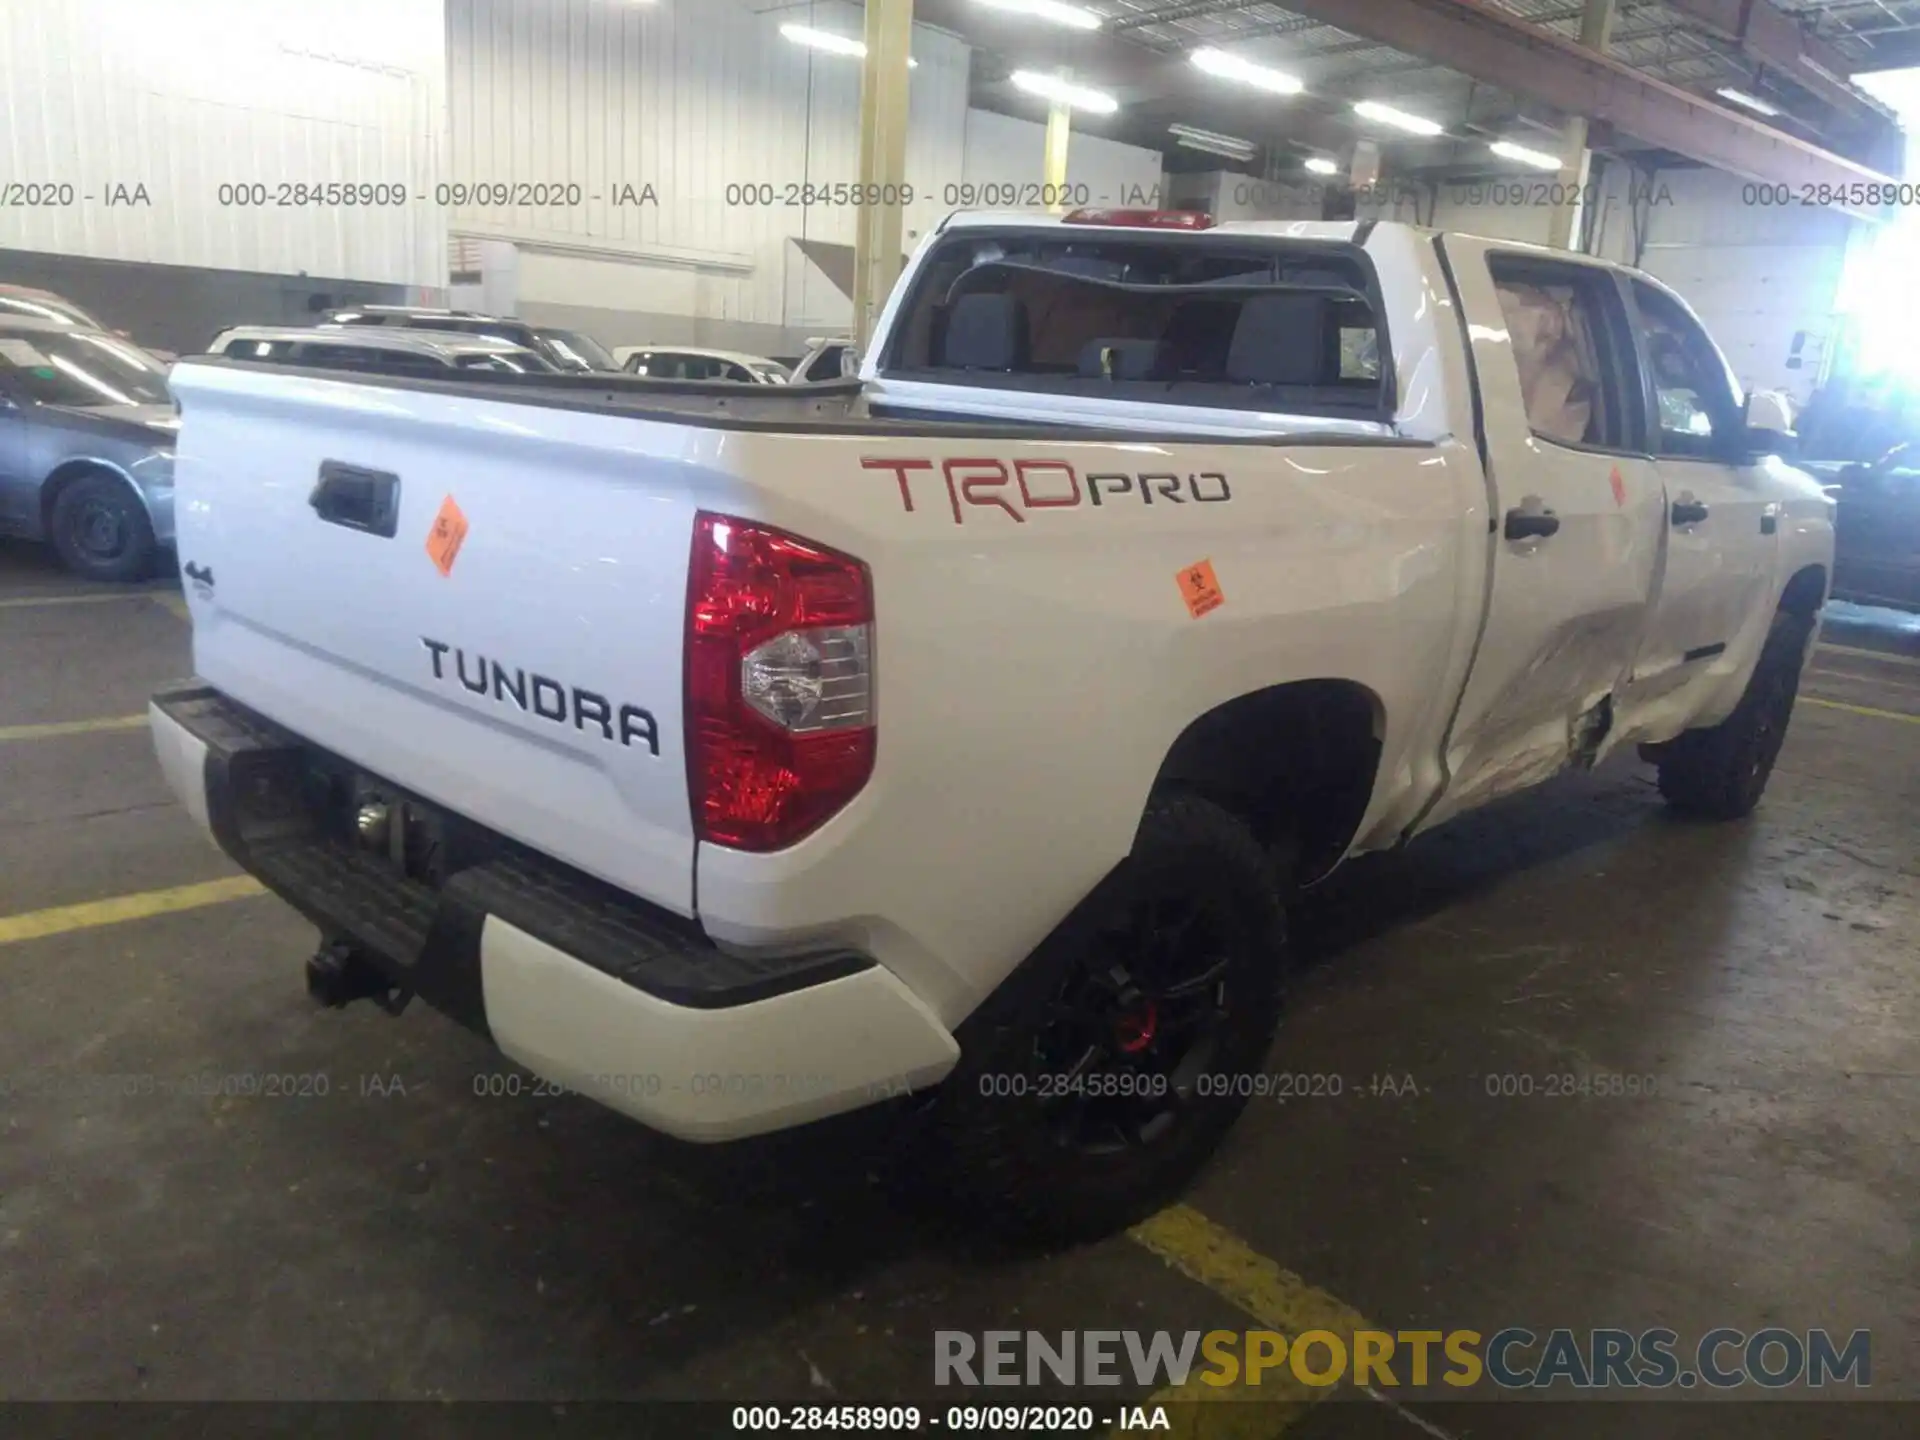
[367, 500]
[1532, 524]
[1689, 512]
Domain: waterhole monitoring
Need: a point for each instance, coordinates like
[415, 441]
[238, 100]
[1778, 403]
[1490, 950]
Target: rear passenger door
[1720, 544]
[1577, 515]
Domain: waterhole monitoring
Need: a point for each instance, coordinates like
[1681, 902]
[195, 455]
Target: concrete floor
[436, 1244]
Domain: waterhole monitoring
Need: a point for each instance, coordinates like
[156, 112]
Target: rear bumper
[588, 988]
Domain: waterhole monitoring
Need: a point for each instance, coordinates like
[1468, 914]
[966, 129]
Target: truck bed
[836, 407]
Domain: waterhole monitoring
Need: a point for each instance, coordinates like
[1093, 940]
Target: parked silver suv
[86, 446]
[430, 354]
[566, 350]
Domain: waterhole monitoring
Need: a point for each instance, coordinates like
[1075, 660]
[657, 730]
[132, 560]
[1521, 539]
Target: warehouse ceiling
[1791, 56]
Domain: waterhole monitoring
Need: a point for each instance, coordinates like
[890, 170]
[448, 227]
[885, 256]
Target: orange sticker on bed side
[1200, 588]
[1619, 487]
[449, 532]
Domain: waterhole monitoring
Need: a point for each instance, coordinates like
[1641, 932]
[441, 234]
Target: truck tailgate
[481, 603]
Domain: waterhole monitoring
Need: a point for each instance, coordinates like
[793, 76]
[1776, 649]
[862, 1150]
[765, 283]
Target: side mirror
[1769, 423]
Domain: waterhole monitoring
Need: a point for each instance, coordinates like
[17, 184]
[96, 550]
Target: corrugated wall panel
[184, 96]
[1007, 155]
[691, 100]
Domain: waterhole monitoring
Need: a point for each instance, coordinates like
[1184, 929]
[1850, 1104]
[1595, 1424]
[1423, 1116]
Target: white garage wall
[689, 98]
[1758, 274]
[1007, 154]
[181, 96]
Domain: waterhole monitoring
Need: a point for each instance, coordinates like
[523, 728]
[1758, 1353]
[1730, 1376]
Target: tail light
[780, 723]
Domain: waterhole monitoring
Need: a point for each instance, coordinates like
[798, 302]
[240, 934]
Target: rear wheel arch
[1297, 761]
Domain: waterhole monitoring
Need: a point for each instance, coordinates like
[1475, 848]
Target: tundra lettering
[545, 697]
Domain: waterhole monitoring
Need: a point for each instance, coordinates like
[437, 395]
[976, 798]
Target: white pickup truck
[959, 732]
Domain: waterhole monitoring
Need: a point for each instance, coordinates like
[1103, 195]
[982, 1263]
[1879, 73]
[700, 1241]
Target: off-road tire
[989, 1147]
[101, 531]
[1721, 772]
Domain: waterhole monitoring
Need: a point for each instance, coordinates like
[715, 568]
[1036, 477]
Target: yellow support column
[883, 159]
[1053, 166]
[1563, 232]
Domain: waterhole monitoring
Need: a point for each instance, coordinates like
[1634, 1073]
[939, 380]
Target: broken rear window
[1195, 319]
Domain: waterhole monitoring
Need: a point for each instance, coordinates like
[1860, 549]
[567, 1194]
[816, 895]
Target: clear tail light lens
[780, 723]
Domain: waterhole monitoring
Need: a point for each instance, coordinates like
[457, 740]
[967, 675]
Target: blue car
[87, 428]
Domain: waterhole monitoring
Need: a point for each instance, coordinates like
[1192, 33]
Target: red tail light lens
[780, 722]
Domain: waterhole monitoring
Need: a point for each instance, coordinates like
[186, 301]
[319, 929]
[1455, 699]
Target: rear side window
[371, 359]
[1566, 326]
[660, 364]
[523, 363]
[827, 365]
[329, 357]
[1272, 324]
[269, 350]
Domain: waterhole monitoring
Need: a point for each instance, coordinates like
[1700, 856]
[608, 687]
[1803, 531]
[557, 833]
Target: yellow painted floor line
[1860, 654]
[90, 597]
[174, 605]
[1867, 710]
[1232, 1269]
[1886, 682]
[39, 924]
[58, 728]
[1276, 1298]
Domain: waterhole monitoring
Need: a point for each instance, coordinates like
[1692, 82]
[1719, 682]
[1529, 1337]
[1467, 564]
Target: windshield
[1186, 320]
[582, 352]
[37, 306]
[82, 368]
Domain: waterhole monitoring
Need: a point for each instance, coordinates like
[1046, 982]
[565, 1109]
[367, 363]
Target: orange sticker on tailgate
[449, 532]
[1200, 588]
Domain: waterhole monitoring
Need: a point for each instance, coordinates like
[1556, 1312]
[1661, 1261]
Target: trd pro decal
[1018, 488]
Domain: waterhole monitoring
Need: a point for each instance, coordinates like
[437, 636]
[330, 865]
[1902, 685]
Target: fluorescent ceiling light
[1507, 150]
[1232, 67]
[1321, 165]
[1752, 102]
[827, 40]
[1399, 119]
[1072, 16]
[1061, 91]
[1194, 138]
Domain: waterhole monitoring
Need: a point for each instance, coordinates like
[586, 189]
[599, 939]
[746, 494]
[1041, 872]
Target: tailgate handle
[359, 499]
